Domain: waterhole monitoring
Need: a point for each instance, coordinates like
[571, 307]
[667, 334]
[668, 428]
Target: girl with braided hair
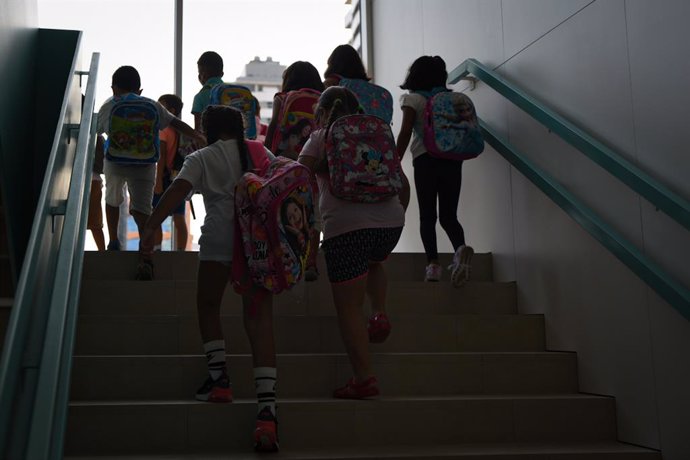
[213, 171]
[358, 237]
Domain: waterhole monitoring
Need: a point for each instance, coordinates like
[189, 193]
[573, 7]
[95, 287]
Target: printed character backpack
[185, 146]
[451, 128]
[374, 99]
[363, 163]
[295, 122]
[133, 131]
[274, 218]
[241, 98]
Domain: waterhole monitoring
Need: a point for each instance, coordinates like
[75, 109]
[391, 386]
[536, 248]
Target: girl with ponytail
[213, 171]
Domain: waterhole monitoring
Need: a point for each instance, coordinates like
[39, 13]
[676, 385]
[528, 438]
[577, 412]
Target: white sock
[265, 381]
[215, 356]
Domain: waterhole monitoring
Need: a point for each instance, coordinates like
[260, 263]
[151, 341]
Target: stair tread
[335, 402]
[493, 354]
[412, 451]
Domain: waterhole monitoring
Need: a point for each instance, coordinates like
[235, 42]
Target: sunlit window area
[252, 36]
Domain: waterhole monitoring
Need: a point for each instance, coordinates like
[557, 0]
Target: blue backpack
[133, 131]
[374, 99]
[241, 98]
[451, 128]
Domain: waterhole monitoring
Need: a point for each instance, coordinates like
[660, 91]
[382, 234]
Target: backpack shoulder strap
[257, 155]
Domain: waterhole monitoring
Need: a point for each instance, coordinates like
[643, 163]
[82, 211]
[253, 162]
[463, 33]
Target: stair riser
[180, 335]
[172, 378]
[168, 429]
[168, 297]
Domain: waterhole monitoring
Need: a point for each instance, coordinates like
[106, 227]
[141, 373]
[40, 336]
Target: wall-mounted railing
[657, 194]
[37, 355]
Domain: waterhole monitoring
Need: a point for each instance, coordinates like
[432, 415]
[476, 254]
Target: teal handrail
[673, 205]
[666, 286]
[642, 183]
[36, 430]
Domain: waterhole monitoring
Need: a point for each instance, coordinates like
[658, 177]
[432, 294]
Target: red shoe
[353, 390]
[379, 328]
[266, 432]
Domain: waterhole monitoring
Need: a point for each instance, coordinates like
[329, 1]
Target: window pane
[125, 32]
[285, 31]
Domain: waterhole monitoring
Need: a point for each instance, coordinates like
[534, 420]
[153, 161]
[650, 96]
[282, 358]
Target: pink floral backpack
[274, 219]
[363, 163]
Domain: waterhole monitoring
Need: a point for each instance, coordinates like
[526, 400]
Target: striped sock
[265, 380]
[215, 356]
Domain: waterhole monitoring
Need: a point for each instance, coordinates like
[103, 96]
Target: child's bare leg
[377, 284]
[158, 238]
[349, 298]
[181, 232]
[112, 218]
[140, 219]
[258, 324]
[212, 277]
[99, 238]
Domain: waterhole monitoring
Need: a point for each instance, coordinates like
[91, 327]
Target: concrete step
[183, 266]
[175, 335]
[500, 451]
[178, 297]
[400, 374]
[179, 427]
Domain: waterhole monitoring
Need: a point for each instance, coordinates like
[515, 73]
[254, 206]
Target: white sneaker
[432, 272]
[461, 268]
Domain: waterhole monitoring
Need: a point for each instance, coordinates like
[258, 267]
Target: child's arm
[274, 121]
[309, 162]
[183, 128]
[409, 116]
[404, 195]
[172, 197]
[160, 168]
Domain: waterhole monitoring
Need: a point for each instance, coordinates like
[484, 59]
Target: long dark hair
[346, 62]
[221, 119]
[301, 74]
[425, 74]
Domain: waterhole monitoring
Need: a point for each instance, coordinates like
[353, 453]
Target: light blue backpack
[241, 98]
[374, 99]
[451, 128]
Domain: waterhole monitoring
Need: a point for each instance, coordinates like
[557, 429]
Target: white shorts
[140, 181]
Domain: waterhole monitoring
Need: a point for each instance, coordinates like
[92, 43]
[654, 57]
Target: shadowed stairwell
[463, 375]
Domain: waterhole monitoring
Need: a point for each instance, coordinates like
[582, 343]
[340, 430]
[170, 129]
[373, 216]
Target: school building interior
[571, 341]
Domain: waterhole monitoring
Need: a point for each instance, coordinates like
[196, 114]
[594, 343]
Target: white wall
[618, 69]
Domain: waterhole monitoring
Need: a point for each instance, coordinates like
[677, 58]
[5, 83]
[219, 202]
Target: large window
[142, 34]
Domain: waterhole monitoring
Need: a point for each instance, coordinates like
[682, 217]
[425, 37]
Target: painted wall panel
[619, 70]
[528, 20]
[18, 43]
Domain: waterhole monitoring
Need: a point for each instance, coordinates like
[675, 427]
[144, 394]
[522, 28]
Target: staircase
[463, 376]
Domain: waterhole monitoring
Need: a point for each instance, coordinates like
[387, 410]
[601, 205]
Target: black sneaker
[218, 390]
[145, 271]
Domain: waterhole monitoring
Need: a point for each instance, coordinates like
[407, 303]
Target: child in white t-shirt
[213, 171]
